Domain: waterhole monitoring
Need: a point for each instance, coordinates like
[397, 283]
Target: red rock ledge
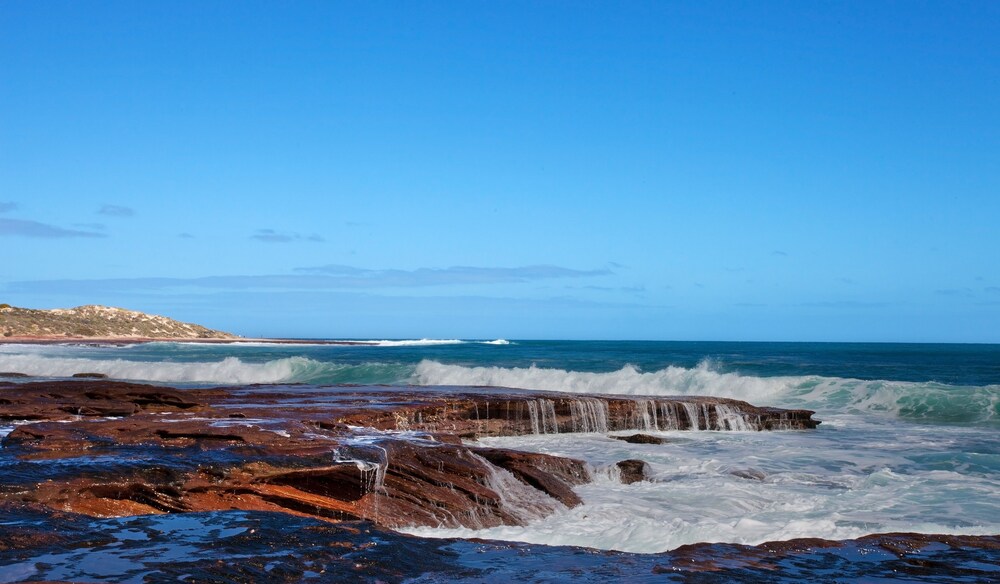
[392, 455]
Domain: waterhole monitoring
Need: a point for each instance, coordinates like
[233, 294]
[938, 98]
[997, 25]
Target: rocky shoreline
[314, 479]
[241, 546]
[391, 455]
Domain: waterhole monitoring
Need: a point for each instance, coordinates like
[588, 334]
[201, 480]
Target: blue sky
[663, 170]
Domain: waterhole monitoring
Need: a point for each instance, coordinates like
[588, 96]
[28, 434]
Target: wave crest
[929, 401]
[916, 401]
[628, 380]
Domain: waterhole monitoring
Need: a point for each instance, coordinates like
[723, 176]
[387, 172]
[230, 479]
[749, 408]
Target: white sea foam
[760, 486]
[229, 370]
[929, 401]
[700, 380]
[917, 401]
[413, 342]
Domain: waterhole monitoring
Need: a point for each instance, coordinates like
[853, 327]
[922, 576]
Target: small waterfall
[692, 415]
[644, 415]
[729, 418]
[542, 413]
[361, 455]
[784, 422]
[533, 415]
[372, 476]
[589, 415]
[547, 409]
[517, 499]
[668, 416]
[705, 412]
[602, 414]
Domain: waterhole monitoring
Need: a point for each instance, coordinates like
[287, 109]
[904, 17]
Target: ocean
[909, 440]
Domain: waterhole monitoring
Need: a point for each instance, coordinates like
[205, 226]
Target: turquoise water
[952, 364]
[910, 439]
[937, 383]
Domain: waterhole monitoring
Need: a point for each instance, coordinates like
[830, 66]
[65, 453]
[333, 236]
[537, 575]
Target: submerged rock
[633, 471]
[641, 439]
[749, 473]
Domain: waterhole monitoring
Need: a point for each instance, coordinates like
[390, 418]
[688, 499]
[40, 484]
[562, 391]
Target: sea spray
[866, 469]
[752, 487]
[930, 402]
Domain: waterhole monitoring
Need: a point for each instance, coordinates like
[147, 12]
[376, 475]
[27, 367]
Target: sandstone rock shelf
[391, 455]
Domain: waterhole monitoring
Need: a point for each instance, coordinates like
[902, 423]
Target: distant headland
[93, 322]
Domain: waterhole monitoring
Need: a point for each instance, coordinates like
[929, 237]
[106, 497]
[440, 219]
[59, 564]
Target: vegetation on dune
[97, 321]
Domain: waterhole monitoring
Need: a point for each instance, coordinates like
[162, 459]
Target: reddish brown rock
[390, 455]
[65, 400]
[633, 471]
[641, 439]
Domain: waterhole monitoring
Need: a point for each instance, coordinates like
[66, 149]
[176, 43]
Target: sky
[801, 171]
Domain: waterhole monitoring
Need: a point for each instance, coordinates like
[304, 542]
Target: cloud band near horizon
[28, 228]
[330, 277]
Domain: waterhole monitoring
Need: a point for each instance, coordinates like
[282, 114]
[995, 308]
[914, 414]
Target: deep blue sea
[910, 439]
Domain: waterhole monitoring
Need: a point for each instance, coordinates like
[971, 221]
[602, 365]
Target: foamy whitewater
[909, 440]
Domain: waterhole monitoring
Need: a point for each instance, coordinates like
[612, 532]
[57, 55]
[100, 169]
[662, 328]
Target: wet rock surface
[104, 480]
[247, 546]
[633, 471]
[641, 439]
[391, 455]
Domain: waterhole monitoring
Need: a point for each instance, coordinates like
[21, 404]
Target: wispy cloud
[992, 289]
[631, 289]
[361, 277]
[331, 277]
[185, 235]
[273, 236]
[116, 211]
[27, 228]
[91, 226]
[847, 304]
[779, 253]
[955, 292]
[7, 206]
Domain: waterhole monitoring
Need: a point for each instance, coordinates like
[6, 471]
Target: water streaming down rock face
[471, 416]
[542, 414]
[515, 497]
[590, 414]
[691, 411]
[371, 461]
[730, 419]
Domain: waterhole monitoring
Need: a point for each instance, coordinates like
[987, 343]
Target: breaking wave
[927, 401]
[413, 342]
[230, 370]
[428, 342]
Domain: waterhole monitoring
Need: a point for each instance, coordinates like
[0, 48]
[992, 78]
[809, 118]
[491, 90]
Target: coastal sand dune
[97, 322]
